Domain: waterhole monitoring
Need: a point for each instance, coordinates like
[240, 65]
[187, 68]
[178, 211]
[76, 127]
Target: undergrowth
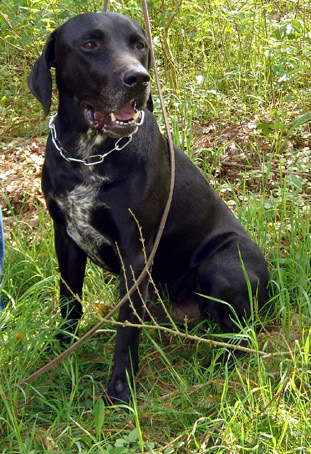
[222, 64]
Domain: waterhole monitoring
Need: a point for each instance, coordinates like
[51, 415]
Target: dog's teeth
[125, 123]
[136, 115]
[113, 117]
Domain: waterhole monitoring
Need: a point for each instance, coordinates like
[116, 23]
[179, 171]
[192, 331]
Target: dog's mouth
[116, 124]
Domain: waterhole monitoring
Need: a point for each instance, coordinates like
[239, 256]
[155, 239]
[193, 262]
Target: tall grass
[224, 62]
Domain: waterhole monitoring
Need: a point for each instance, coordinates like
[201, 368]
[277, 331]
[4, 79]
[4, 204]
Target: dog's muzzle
[116, 124]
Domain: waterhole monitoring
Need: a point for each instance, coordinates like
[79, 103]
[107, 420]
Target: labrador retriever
[107, 170]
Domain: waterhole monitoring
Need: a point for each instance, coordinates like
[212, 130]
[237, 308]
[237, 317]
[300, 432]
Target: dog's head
[102, 63]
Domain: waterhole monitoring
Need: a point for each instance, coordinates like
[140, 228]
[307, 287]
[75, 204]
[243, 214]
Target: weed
[236, 82]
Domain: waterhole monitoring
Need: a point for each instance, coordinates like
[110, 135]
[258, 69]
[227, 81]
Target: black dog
[102, 62]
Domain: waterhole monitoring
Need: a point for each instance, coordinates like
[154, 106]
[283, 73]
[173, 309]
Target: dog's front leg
[72, 261]
[127, 341]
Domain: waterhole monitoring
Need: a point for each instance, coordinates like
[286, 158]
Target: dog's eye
[139, 45]
[89, 45]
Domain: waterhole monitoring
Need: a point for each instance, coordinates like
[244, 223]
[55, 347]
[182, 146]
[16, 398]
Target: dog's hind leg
[226, 300]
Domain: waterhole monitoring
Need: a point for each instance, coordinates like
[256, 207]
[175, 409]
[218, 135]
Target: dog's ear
[149, 64]
[40, 79]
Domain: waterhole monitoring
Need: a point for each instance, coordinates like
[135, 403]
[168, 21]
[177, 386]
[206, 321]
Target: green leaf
[169, 450]
[304, 118]
[288, 30]
[87, 440]
[99, 414]
[265, 128]
[120, 450]
[294, 180]
[133, 436]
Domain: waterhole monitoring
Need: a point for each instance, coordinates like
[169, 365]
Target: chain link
[95, 158]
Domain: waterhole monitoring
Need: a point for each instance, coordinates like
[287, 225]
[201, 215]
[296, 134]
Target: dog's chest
[78, 207]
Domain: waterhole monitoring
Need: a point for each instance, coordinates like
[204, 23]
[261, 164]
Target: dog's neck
[88, 148]
[76, 141]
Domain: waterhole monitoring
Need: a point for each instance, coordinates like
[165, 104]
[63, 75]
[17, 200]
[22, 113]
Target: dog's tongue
[98, 119]
[126, 113]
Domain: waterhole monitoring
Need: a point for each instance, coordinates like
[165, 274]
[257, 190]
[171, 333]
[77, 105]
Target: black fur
[102, 60]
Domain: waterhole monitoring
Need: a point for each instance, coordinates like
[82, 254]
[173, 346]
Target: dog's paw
[60, 343]
[64, 340]
[117, 392]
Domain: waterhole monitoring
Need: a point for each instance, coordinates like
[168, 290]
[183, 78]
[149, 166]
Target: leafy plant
[236, 83]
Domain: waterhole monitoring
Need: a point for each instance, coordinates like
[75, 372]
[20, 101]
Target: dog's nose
[135, 78]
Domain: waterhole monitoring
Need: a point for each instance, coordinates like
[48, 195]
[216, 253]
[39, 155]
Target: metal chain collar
[95, 158]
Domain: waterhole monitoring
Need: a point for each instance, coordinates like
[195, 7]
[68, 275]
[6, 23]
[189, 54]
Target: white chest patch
[88, 142]
[77, 206]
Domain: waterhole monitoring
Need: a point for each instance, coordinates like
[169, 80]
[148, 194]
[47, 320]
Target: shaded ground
[20, 175]
[240, 148]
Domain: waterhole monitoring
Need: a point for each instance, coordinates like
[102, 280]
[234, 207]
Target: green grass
[261, 406]
[225, 64]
